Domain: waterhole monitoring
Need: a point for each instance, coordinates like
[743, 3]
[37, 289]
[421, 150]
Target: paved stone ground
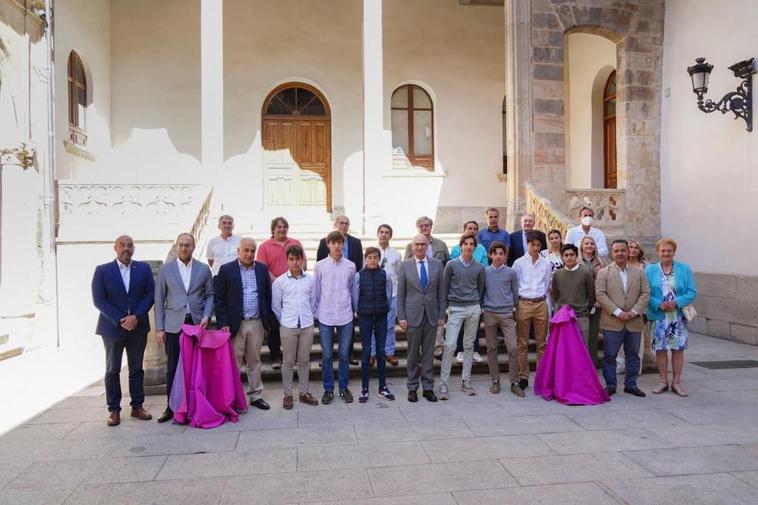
[469, 450]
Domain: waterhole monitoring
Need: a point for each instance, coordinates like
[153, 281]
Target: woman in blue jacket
[672, 287]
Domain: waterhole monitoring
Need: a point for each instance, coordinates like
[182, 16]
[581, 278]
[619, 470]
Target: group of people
[511, 282]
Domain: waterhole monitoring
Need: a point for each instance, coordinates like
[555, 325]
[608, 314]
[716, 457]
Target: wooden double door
[297, 148]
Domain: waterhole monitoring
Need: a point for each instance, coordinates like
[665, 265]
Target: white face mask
[587, 220]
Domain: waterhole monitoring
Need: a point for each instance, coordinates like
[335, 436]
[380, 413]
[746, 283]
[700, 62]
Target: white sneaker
[468, 388]
[459, 357]
[442, 392]
[478, 357]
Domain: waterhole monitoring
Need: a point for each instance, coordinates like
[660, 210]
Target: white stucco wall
[590, 59]
[457, 53]
[85, 27]
[156, 73]
[709, 163]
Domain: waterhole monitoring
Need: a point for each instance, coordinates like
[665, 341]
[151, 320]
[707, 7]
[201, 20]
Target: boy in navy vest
[372, 292]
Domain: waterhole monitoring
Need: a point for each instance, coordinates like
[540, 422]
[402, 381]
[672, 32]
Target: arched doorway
[297, 148]
[609, 130]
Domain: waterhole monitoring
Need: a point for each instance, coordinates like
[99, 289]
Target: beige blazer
[609, 292]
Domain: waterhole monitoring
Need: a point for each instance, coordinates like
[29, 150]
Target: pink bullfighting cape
[566, 371]
[207, 389]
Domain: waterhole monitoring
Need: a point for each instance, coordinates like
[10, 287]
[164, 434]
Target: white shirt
[126, 273]
[293, 300]
[534, 278]
[390, 260]
[576, 234]
[624, 282]
[418, 267]
[222, 251]
[185, 271]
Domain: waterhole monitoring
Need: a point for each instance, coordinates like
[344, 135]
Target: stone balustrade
[609, 206]
[95, 211]
[546, 215]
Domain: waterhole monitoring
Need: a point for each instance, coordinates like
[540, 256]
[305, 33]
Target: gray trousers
[421, 343]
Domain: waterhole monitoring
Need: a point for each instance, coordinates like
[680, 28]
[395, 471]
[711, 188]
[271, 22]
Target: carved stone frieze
[144, 200]
[21, 155]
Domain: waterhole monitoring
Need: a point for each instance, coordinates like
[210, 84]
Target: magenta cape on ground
[566, 371]
[207, 389]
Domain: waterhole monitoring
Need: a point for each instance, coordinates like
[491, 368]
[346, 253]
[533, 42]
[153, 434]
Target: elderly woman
[672, 287]
[589, 259]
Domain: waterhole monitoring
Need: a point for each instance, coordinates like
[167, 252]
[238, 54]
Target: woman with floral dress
[672, 288]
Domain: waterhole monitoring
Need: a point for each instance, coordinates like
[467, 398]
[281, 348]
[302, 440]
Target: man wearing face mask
[577, 233]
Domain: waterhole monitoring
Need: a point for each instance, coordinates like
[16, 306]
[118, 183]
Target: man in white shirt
[294, 303]
[534, 273]
[390, 260]
[577, 233]
[223, 248]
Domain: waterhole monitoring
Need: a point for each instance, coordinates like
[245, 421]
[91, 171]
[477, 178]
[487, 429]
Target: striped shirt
[250, 308]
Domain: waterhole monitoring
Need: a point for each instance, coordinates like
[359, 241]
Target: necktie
[423, 277]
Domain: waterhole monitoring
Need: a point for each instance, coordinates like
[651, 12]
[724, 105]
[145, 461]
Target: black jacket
[228, 295]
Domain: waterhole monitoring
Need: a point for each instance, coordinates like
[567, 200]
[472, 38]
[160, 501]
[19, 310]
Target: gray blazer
[171, 297]
[413, 303]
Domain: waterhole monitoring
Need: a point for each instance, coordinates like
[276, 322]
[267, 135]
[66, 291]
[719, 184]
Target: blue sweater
[685, 289]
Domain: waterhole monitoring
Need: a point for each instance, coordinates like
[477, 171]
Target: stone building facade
[180, 128]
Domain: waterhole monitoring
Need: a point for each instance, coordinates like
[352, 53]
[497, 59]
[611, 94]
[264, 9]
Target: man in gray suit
[183, 294]
[420, 310]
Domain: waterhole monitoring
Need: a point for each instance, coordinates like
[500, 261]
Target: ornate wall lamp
[739, 102]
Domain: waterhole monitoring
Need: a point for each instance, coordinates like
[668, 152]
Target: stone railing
[546, 216]
[609, 206]
[158, 212]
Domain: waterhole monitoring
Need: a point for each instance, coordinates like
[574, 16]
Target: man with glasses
[437, 249]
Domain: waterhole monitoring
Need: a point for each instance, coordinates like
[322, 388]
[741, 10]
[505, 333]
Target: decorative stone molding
[22, 155]
[546, 216]
[608, 204]
[78, 150]
[144, 200]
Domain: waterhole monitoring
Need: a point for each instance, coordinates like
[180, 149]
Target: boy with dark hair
[333, 284]
[292, 301]
[500, 300]
[575, 286]
[372, 292]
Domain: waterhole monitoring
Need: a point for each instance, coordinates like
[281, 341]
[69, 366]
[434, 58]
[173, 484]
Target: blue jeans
[373, 326]
[326, 335]
[612, 342]
[389, 346]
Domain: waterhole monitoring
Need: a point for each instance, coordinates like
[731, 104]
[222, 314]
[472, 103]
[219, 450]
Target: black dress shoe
[353, 361]
[611, 391]
[167, 415]
[635, 391]
[523, 383]
[260, 403]
[412, 396]
[430, 396]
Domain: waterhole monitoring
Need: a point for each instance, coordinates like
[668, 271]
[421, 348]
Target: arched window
[413, 125]
[609, 130]
[77, 99]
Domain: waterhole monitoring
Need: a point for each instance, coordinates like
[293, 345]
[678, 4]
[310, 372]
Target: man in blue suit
[122, 291]
[518, 239]
[242, 297]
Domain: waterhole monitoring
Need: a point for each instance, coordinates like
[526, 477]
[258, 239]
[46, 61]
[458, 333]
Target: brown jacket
[609, 292]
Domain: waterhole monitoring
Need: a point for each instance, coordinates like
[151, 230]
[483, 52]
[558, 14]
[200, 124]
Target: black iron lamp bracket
[739, 102]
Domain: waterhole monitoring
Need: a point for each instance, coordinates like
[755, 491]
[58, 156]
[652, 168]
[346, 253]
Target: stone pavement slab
[417, 499]
[199, 491]
[465, 449]
[219, 464]
[574, 468]
[359, 456]
[296, 437]
[563, 494]
[437, 477]
[693, 460]
[712, 489]
[603, 441]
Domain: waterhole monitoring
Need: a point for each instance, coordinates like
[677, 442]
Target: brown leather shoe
[287, 403]
[308, 399]
[392, 360]
[114, 418]
[141, 414]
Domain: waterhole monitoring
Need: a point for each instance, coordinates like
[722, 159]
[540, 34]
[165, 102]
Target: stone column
[212, 83]
[518, 100]
[376, 152]
[154, 360]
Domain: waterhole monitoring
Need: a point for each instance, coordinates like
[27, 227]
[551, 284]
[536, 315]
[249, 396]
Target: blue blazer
[114, 303]
[517, 246]
[685, 290]
[227, 295]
